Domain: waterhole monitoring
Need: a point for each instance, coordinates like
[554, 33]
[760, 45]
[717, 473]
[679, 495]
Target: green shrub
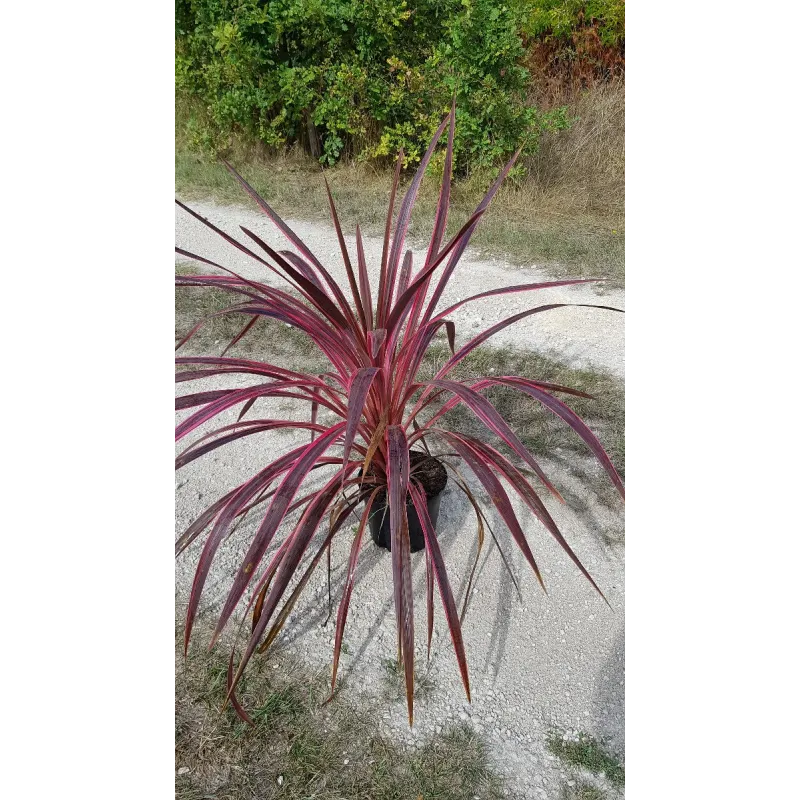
[357, 79]
[561, 18]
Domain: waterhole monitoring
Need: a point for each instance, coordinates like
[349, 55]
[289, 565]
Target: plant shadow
[451, 520]
[608, 702]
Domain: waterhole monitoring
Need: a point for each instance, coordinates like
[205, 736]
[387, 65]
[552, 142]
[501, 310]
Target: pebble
[183, 770]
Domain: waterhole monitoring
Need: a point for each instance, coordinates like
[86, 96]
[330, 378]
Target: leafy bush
[561, 18]
[345, 77]
[366, 414]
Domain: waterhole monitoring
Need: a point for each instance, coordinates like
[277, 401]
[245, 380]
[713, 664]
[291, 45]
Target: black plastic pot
[433, 483]
[379, 522]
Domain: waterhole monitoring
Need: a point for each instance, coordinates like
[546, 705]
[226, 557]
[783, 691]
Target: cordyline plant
[381, 409]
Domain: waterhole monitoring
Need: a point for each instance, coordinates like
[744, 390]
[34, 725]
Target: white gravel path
[578, 336]
[554, 661]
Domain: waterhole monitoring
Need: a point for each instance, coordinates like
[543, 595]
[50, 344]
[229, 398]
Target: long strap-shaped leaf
[429, 599]
[440, 573]
[359, 388]
[280, 260]
[402, 305]
[238, 431]
[335, 395]
[265, 580]
[280, 620]
[531, 499]
[257, 598]
[439, 224]
[405, 272]
[462, 244]
[461, 483]
[274, 517]
[319, 298]
[363, 280]
[226, 361]
[491, 331]
[520, 287]
[283, 308]
[408, 363]
[398, 470]
[490, 417]
[276, 219]
[228, 238]
[303, 267]
[295, 546]
[339, 350]
[442, 207]
[464, 351]
[281, 225]
[344, 604]
[406, 207]
[498, 496]
[199, 398]
[233, 282]
[567, 414]
[346, 257]
[238, 396]
[227, 283]
[286, 308]
[381, 310]
[237, 500]
[290, 235]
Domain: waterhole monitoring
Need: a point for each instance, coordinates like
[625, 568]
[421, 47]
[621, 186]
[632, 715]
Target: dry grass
[567, 215]
[582, 170]
[301, 749]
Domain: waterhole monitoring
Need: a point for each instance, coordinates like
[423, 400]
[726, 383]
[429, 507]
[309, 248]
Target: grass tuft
[588, 753]
[395, 681]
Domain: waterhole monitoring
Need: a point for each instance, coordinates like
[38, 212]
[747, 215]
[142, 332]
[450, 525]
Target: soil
[429, 471]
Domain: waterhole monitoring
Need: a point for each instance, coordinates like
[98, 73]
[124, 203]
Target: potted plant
[381, 421]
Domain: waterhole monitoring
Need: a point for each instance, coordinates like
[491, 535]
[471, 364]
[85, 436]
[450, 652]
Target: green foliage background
[559, 18]
[363, 79]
